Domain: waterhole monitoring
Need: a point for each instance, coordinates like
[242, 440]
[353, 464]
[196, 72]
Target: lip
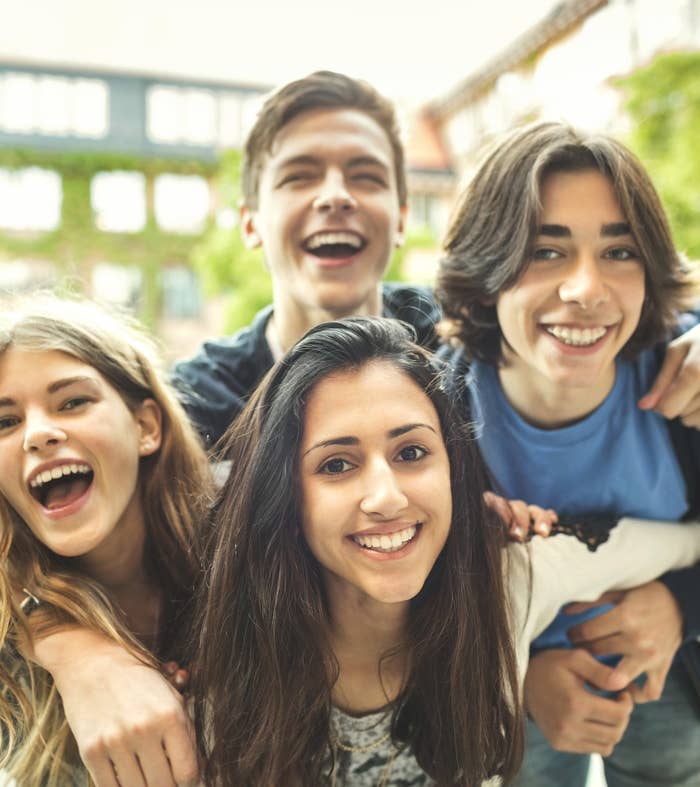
[74, 505]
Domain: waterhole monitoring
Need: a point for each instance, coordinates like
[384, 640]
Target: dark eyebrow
[57, 385]
[554, 231]
[66, 381]
[392, 433]
[615, 230]
[297, 161]
[364, 161]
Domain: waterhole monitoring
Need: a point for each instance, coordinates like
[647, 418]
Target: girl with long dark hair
[355, 625]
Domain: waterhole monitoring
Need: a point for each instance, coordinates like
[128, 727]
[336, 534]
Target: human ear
[149, 419]
[399, 238]
[249, 231]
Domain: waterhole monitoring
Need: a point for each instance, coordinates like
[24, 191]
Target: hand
[521, 519]
[131, 726]
[572, 718]
[676, 390]
[646, 627]
[178, 677]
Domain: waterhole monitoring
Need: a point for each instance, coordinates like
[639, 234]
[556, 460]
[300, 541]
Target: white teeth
[385, 543]
[58, 472]
[330, 238]
[578, 337]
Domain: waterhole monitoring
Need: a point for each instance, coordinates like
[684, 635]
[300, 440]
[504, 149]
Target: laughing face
[580, 299]
[328, 214]
[375, 480]
[69, 452]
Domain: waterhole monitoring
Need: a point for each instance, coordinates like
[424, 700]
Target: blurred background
[121, 125]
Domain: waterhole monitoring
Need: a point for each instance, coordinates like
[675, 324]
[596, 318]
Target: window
[181, 203]
[119, 201]
[31, 199]
[53, 105]
[181, 293]
[178, 115]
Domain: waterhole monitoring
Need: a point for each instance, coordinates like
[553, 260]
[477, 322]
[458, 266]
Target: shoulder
[216, 382]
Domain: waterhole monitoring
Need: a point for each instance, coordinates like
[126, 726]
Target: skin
[585, 274]
[368, 472]
[56, 409]
[328, 170]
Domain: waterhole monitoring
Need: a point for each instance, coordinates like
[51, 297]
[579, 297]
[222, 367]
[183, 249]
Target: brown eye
[412, 453]
[335, 466]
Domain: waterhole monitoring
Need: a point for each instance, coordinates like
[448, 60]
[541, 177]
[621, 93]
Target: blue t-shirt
[617, 461]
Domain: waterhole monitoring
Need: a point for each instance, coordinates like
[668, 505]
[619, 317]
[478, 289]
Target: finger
[675, 355]
[654, 684]
[594, 673]
[181, 750]
[127, 769]
[607, 646]
[521, 518]
[691, 418]
[155, 765]
[102, 772]
[607, 624]
[628, 670]
[611, 597]
[542, 519]
[500, 506]
[610, 711]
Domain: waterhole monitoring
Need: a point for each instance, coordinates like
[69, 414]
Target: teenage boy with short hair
[324, 195]
[562, 285]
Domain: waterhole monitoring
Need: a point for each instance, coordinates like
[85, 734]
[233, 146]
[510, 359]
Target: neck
[546, 404]
[118, 565]
[362, 631]
[291, 319]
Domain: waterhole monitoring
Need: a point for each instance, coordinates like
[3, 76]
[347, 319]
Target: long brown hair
[490, 240]
[174, 487]
[264, 669]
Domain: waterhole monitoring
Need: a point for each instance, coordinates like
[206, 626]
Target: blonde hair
[37, 746]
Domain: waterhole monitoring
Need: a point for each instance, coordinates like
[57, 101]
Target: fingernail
[517, 532]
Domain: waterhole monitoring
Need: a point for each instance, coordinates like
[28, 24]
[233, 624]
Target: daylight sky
[411, 50]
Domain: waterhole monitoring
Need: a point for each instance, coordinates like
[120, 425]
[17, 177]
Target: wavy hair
[491, 236]
[263, 695]
[37, 746]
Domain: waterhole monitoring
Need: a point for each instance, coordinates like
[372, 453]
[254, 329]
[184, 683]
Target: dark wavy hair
[264, 667]
[320, 90]
[491, 236]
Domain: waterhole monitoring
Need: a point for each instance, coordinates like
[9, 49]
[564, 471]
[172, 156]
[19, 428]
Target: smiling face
[328, 213]
[580, 299]
[69, 452]
[375, 480]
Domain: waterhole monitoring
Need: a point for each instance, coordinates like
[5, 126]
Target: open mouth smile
[334, 245]
[577, 337]
[387, 543]
[61, 485]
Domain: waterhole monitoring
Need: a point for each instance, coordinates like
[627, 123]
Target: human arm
[563, 569]
[675, 392]
[120, 711]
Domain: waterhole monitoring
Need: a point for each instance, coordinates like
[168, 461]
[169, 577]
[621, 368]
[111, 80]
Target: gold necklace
[337, 744]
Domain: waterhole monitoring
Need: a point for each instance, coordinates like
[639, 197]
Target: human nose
[383, 496]
[40, 433]
[584, 283]
[333, 194]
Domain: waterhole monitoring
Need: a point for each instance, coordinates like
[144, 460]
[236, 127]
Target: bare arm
[128, 721]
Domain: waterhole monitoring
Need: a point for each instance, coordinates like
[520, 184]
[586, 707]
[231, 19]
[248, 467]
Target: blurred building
[563, 68]
[107, 181]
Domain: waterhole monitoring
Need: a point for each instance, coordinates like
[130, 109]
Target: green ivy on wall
[77, 243]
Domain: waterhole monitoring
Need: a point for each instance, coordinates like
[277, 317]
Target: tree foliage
[663, 100]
